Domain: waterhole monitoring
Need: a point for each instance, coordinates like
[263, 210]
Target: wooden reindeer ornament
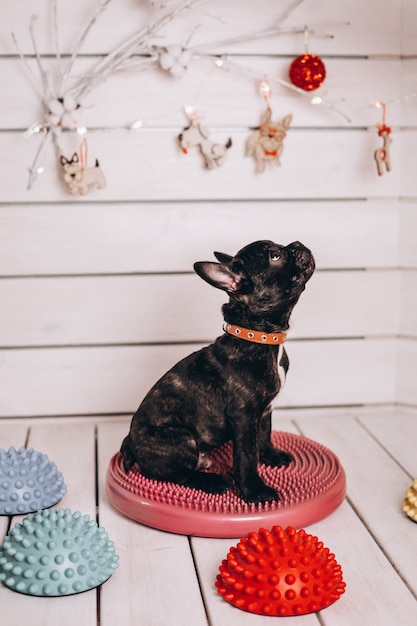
[382, 155]
[266, 142]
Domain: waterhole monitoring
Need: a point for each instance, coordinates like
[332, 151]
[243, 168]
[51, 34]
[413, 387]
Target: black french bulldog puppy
[224, 391]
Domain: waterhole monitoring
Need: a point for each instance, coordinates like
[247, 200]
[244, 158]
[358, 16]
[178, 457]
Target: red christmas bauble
[307, 72]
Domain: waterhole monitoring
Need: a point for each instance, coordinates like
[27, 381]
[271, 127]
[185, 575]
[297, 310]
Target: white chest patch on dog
[281, 374]
[281, 371]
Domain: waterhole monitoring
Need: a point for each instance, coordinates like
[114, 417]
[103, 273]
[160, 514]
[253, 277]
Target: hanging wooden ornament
[382, 155]
[80, 178]
[196, 135]
[266, 142]
[307, 71]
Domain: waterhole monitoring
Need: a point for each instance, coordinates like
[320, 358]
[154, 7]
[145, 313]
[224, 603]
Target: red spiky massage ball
[280, 573]
[307, 72]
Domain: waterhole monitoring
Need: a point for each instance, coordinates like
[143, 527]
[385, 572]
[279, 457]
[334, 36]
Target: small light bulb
[264, 87]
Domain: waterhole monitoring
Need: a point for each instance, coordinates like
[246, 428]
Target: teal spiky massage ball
[56, 553]
[29, 481]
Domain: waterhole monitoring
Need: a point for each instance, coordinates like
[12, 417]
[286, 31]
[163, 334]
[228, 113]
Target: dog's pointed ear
[74, 158]
[63, 160]
[218, 275]
[223, 258]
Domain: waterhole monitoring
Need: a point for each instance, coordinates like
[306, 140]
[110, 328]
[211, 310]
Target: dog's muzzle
[303, 258]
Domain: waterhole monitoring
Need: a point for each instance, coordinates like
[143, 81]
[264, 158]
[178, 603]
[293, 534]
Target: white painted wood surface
[133, 309]
[84, 282]
[71, 381]
[82, 297]
[164, 577]
[352, 24]
[100, 238]
[100, 325]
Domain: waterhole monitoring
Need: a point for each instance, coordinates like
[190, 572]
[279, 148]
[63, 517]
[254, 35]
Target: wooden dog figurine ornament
[81, 180]
[266, 143]
[225, 391]
[214, 154]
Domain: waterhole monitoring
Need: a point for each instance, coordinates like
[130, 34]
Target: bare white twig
[56, 39]
[46, 88]
[290, 9]
[28, 69]
[136, 43]
[69, 66]
[34, 170]
[271, 32]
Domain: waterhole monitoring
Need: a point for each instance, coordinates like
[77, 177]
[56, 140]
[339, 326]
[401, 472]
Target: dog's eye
[274, 256]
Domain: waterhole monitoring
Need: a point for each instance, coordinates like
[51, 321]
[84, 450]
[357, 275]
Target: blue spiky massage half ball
[55, 553]
[29, 481]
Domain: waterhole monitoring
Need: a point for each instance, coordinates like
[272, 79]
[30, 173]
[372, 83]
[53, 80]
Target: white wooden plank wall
[407, 345]
[97, 294]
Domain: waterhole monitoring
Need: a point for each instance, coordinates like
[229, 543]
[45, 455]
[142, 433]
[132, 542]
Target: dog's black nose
[302, 256]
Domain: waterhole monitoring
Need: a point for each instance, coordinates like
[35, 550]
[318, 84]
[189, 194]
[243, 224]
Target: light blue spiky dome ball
[29, 481]
[55, 553]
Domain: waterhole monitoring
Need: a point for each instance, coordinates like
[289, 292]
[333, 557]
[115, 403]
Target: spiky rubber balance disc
[311, 488]
[280, 573]
[56, 553]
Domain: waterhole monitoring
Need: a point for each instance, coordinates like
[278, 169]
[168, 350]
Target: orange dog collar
[255, 336]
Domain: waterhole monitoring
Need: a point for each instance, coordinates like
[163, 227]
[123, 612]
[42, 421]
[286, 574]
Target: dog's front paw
[259, 493]
[276, 458]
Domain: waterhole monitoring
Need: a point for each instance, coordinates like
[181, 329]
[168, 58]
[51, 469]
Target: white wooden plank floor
[169, 579]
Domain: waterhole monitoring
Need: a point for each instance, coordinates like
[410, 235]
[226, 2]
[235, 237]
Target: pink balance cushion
[311, 488]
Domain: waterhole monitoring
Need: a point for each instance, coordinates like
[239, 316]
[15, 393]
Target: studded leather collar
[255, 336]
